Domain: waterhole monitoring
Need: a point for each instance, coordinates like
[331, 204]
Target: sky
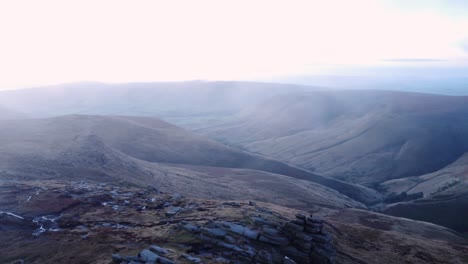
[58, 41]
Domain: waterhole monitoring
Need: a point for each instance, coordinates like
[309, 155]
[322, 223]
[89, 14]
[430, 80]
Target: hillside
[150, 151]
[364, 137]
[6, 114]
[190, 104]
[442, 196]
[58, 221]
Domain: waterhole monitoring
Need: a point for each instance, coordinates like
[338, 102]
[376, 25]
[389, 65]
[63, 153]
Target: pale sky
[56, 41]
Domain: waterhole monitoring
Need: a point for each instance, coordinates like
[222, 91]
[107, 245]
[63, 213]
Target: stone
[213, 232]
[230, 239]
[163, 260]
[302, 245]
[116, 258]
[328, 247]
[297, 255]
[172, 210]
[191, 228]
[250, 234]
[287, 260]
[303, 237]
[235, 228]
[322, 238]
[158, 250]
[298, 222]
[229, 246]
[312, 230]
[130, 258]
[264, 257]
[222, 260]
[314, 220]
[293, 227]
[301, 216]
[210, 240]
[264, 210]
[146, 255]
[271, 231]
[261, 221]
[275, 240]
[152, 189]
[249, 253]
[192, 259]
[233, 204]
[176, 197]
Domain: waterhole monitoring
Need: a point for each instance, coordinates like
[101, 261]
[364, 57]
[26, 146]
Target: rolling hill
[147, 151]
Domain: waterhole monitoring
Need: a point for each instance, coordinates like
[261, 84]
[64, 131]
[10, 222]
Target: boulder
[158, 250]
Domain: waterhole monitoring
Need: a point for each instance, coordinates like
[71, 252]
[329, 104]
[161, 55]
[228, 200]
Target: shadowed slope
[364, 137]
[444, 196]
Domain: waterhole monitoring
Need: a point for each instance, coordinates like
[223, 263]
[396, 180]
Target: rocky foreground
[87, 222]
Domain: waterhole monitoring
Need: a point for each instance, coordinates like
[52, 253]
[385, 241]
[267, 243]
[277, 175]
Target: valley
[384, 171]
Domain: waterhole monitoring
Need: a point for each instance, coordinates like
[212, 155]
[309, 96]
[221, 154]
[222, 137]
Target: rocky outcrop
[258, 240]
[302, 240]
[153, 254]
